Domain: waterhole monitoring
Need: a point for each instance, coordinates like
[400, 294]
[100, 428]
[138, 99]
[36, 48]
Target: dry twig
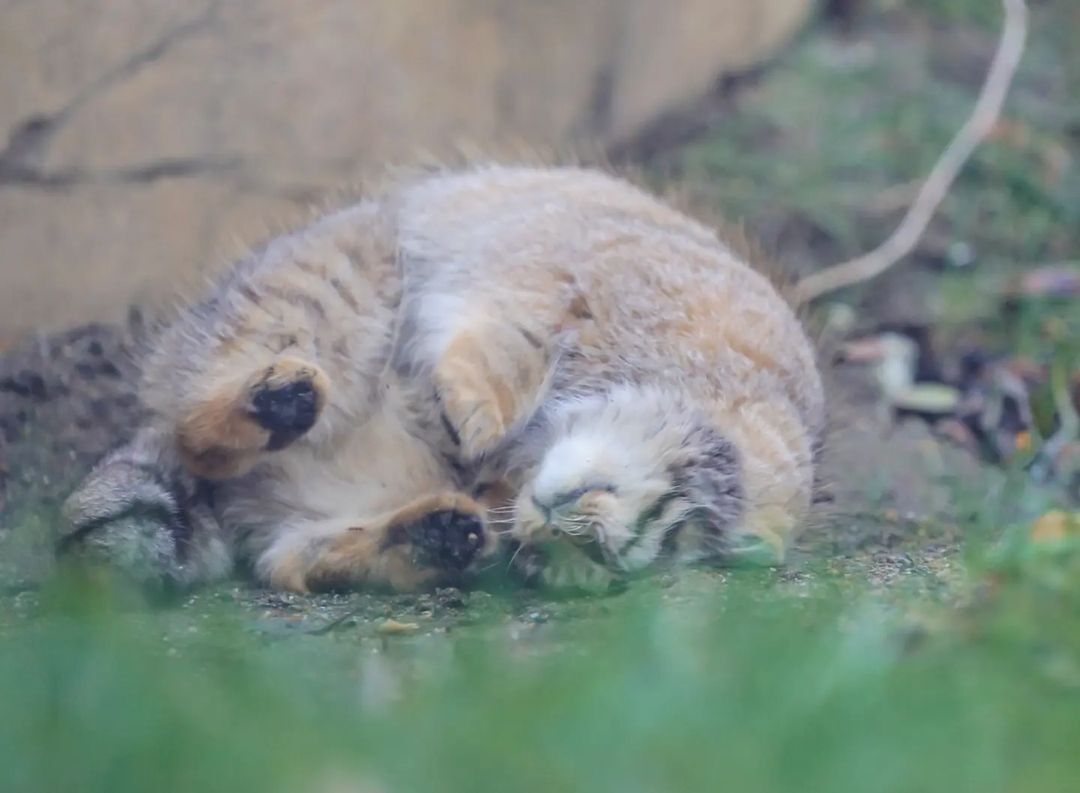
[937, 185]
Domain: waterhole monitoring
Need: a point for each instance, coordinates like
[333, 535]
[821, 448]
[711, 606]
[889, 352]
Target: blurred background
[925, 636]
[145, 137]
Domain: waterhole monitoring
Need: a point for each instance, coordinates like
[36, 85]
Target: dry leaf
[392, 627]
[1055, 525]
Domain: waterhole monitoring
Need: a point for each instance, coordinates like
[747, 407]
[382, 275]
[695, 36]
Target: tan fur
[489, 379]
[552, 330]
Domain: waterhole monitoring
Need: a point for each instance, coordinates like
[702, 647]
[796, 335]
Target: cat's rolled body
[640, 392]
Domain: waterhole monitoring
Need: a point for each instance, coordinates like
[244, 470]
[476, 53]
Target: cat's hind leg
[225, 430]
[438, 539]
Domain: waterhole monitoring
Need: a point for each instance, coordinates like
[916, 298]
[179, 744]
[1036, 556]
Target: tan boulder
[146, 137]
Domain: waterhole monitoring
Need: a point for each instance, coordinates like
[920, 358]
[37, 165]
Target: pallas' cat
[548, 357]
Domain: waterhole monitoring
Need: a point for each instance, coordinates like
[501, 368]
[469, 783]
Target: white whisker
[513, 556]
[487, 567]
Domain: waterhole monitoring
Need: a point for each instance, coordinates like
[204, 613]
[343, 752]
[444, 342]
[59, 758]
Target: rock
[144, 136]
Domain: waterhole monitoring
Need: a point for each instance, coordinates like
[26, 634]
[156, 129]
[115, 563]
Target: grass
[809, 679]
[689, 685]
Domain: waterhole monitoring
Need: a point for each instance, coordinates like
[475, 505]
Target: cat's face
[629, 477]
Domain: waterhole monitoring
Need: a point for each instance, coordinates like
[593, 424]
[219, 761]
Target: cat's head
[629, 475]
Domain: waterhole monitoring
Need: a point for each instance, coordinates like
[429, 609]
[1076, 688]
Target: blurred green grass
[741, 687]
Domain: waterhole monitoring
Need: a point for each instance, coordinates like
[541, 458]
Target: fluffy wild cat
[548, 355]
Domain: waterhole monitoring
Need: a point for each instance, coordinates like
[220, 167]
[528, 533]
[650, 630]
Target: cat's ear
[711, 479]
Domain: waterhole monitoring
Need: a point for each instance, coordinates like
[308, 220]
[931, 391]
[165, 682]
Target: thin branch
[937, 185]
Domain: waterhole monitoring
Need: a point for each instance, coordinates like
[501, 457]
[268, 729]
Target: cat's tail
[139, 512]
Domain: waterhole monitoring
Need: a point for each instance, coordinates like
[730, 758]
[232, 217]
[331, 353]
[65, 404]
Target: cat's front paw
[488, 382]
[475, 422]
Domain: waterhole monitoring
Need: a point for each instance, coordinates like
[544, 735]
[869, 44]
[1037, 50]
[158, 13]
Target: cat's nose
[549, 504]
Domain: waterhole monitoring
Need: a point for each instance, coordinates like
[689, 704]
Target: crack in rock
[144, 173]
[30, 138]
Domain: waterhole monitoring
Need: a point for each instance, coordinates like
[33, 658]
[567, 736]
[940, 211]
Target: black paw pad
[447, 539]
[287, 411]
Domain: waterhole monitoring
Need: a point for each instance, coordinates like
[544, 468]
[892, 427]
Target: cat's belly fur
[376, 466]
